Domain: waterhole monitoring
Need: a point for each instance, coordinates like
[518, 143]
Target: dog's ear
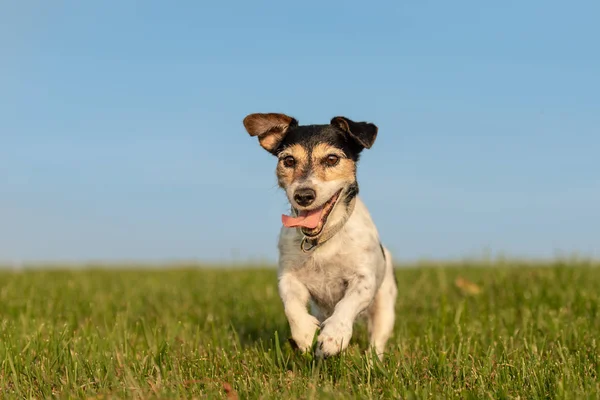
[270, 128]
[363, 133]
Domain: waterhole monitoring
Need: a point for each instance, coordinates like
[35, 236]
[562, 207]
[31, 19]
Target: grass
[463, 331]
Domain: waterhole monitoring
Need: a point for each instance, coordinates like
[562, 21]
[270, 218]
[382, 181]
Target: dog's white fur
[343, 278]
[349, 274]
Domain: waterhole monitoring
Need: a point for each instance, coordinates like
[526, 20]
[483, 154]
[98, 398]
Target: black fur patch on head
[308, 136]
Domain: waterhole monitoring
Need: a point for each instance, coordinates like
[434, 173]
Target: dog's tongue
[305, 219]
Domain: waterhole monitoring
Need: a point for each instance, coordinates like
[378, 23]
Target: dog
[330, 254]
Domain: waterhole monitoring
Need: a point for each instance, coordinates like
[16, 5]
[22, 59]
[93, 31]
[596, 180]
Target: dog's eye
[332, 160]
[289, 161]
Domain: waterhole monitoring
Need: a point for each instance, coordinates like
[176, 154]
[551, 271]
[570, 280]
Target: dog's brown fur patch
[316, 166]
[271, 140]
[286, 175]
[270, 128]
[344, 170]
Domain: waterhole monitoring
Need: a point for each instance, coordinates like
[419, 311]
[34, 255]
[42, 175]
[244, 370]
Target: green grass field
[463, 331]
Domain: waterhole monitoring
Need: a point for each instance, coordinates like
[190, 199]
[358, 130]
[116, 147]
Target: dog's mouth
[311, 221]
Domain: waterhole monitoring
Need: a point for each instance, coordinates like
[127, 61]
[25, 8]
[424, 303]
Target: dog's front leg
[336, 331]
[295, 296]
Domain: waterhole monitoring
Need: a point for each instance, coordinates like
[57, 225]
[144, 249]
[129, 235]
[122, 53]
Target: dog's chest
[326, 282]
[327, 271]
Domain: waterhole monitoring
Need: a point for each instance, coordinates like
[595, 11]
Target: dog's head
[316, 163]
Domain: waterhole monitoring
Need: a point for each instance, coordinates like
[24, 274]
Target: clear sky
[121, 133]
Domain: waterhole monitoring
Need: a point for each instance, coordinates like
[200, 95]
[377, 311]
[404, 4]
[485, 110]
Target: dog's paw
[303, 332]
[334, 337]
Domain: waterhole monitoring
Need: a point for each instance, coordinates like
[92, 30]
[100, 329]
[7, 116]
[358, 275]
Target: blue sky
[121, 132]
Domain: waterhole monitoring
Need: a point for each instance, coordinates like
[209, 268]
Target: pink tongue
[306, 219]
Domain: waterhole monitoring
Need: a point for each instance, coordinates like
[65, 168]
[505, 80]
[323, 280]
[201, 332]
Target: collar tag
[303, 247]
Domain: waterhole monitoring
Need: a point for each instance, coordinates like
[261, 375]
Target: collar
[308, 244]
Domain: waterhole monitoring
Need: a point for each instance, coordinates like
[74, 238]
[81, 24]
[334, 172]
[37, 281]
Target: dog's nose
[305, 197]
